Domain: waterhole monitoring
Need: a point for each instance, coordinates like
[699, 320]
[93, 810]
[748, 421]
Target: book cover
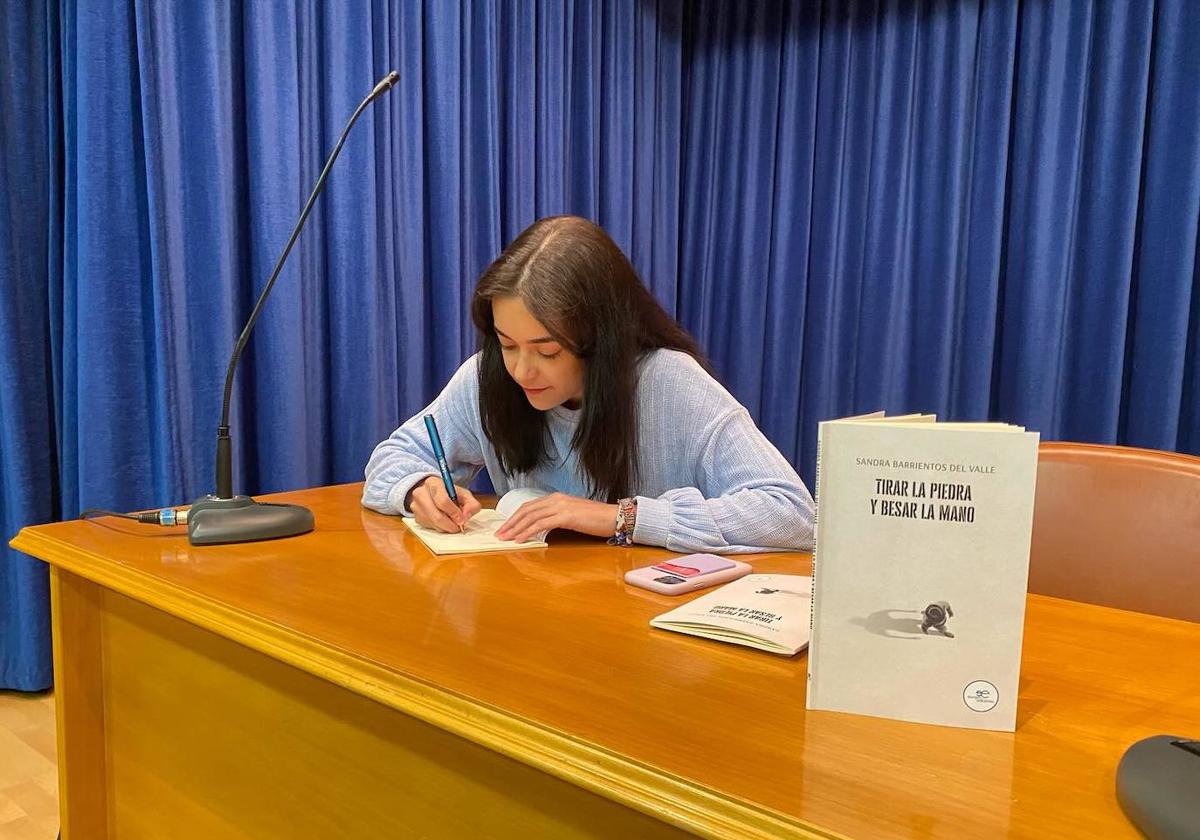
[767, 612]
[920, 569]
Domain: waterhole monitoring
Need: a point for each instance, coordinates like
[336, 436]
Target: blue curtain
[30, 266]
[980, 209]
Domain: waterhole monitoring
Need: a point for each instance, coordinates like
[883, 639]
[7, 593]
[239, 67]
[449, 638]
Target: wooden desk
[349, 683]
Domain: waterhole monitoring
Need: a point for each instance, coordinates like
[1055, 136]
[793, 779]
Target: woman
[586, 388]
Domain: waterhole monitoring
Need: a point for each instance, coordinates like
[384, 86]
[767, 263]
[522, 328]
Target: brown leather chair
[1118, 526]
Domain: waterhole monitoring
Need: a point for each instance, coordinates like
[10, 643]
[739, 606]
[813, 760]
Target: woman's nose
[525, 371]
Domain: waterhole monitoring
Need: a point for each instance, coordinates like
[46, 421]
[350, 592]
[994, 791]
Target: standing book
[920, 569]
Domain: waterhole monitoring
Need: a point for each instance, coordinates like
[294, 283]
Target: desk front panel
[201, 738]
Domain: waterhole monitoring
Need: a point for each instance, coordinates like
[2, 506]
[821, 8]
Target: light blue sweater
[710, 480]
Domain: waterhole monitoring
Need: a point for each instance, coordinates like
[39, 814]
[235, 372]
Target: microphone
[222, 517]
[385, 84]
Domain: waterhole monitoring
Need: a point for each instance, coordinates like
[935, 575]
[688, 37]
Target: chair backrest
[1118, 526]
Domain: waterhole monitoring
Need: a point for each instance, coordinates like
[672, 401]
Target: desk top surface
[547, 655]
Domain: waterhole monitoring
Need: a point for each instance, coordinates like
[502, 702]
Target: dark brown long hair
[575, 280]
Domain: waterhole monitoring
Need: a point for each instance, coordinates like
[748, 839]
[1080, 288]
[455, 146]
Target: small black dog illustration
[935, 617]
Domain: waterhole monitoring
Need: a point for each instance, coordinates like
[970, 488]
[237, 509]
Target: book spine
[812, 616]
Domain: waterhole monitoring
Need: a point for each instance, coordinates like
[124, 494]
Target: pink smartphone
[687, 574]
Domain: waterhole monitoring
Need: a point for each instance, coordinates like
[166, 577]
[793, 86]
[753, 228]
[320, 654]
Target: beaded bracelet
[626, 520]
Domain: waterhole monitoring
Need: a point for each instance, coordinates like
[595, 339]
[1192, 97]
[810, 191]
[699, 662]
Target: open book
[480, 534]
[767, 612]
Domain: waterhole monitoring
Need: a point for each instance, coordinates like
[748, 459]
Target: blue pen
[435, 440]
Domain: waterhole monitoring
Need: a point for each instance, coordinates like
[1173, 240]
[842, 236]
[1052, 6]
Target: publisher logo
[981, 696]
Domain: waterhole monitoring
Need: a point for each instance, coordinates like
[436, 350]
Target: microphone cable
[166, 517]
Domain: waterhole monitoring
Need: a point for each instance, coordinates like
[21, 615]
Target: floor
[28, 774]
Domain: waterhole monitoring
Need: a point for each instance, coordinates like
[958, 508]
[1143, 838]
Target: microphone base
[216, 521]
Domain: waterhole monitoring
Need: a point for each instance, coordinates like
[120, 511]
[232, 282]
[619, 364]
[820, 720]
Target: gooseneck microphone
[223, 517]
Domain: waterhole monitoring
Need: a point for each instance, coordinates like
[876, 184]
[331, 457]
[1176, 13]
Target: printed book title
[745, 612]
[940, 501]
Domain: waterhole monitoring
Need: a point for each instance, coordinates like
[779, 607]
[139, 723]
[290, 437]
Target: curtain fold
[1160, 404]
[30, 242]
[979, 209]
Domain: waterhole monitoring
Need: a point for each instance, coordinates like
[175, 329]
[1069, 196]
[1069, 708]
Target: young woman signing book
[586, 388]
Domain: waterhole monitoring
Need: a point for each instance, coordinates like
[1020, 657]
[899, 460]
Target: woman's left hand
[558, 510]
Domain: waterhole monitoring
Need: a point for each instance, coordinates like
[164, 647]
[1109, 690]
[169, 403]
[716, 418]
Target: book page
[513, 499]
[480, 535]
[898, 418]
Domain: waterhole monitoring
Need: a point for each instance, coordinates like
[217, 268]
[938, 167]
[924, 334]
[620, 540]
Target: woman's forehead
[514, 320]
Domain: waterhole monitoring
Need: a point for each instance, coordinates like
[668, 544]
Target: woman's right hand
[432, 506]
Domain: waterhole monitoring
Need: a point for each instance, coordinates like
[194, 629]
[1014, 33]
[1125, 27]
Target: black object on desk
[1158, 787]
